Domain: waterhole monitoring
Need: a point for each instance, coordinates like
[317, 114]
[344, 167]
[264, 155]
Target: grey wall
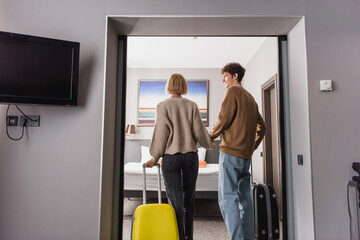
[332, 39]
[50, 181]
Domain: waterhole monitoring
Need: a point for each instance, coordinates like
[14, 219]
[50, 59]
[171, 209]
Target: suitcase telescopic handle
[144, 182]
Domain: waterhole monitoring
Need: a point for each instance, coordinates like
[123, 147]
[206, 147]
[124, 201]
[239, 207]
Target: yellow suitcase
[154, 221]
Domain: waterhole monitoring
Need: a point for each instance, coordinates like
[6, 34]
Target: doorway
[158, 63]
[121, 26]
[196, 58]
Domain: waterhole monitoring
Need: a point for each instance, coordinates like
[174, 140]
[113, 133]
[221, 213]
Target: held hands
[213, 145]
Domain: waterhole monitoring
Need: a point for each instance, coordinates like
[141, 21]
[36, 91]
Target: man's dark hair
[233, 68]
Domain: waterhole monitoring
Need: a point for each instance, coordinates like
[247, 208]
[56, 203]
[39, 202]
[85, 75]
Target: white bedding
[207, 179]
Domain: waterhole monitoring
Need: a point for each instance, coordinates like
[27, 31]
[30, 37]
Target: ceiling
[190, 52]
[168, 41]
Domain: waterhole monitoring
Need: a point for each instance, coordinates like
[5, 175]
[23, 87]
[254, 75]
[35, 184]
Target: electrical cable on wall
[356, 180]
[33, 120]
[349, 211]
[23, 126]
[7, 131]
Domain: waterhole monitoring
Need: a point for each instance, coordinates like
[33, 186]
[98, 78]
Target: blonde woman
[178, 130]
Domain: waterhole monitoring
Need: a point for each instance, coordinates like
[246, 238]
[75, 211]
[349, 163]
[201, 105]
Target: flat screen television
[38, 70]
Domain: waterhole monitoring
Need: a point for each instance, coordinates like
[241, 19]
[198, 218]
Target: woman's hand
[150, 163]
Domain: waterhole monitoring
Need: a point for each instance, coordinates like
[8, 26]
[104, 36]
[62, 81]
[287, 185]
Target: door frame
[268, 148]
[273, 82]
[109, 159]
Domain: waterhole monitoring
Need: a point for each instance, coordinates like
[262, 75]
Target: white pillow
[145, 154]
[201, 154]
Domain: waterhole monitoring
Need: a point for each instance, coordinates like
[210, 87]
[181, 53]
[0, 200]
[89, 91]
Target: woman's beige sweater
[178, 128]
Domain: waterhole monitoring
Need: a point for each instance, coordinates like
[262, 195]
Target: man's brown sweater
[240, 123]
[178, 128]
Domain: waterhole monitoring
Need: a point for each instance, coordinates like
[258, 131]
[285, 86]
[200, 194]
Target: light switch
[300, 159]
[325, 85]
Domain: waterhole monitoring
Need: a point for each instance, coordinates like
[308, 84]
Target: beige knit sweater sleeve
[160, 134]
[200, 133]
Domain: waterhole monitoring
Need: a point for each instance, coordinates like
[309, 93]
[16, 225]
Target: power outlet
[34, 122]
[12, 121]
[300, 159]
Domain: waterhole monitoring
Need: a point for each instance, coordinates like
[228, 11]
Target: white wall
[262, 65]
[259, 69]
[216, 91]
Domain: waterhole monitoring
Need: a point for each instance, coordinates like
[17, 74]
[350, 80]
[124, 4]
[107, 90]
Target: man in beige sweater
[242, 129]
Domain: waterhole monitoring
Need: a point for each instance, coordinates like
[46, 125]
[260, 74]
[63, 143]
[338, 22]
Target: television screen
[37, 70]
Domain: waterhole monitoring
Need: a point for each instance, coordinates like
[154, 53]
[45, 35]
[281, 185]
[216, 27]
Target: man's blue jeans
[234, 196]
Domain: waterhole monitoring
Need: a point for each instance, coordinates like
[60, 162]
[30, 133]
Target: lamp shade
[130, 129]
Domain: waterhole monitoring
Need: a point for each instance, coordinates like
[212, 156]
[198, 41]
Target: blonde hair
[176, 85]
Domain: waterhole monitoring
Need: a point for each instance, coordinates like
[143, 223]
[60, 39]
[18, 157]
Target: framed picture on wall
[151, 92]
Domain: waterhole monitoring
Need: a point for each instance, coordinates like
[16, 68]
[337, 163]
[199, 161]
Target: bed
[206, 185]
